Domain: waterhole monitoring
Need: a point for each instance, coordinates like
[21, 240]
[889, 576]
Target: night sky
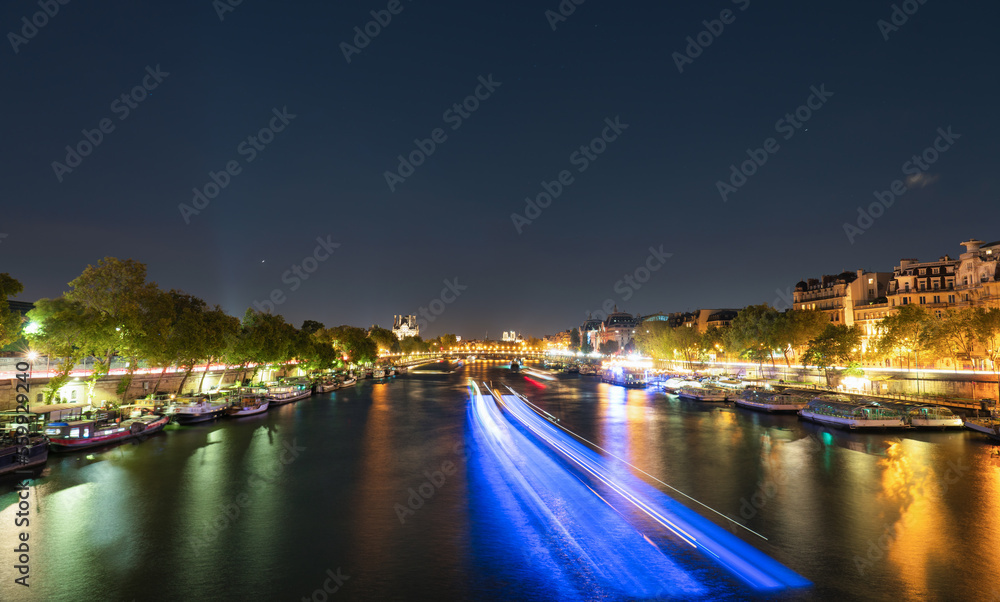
[655, 185]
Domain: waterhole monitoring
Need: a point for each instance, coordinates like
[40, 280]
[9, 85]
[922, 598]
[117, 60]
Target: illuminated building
[405, 326]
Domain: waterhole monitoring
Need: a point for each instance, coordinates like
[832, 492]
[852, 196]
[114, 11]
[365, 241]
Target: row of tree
[759, 333]
[111, 312]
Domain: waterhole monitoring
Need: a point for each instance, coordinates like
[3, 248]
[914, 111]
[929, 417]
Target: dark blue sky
[655, 185]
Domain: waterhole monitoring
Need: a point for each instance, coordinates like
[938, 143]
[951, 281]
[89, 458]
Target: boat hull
[937, 423]
[63, 445]
[774, 408]
[852, 423]
[36, 453]
[991, 431]
[201, 417]
[250, 411]
[283, 400]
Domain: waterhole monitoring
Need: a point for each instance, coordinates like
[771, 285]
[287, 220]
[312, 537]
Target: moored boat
[770, 401]
[248, 403]
[191, 410]
[100, 427]
[23, 445]
[703, 393]
[282, 394]
[328, 384]
[841, 411]
[624, 377]
[987, 426]
[926, 416]
[350, 380]
[378, 373]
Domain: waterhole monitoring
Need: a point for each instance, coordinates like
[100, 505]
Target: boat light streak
[743, 560]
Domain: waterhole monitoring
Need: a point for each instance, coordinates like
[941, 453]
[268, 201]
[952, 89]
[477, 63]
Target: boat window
[51, 431]
[74, 432]
[86, 433]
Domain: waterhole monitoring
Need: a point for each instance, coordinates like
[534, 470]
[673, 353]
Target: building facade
[405, 326]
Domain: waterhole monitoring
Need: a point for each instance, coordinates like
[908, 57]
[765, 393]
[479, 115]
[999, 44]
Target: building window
[39, 398]
[72, 394]
[923, 271]
[906, 300]
[923, 285]
[907, 287]
[951, 298]
[937, 299]
[923, 300]
[935, 270]
[950, 269]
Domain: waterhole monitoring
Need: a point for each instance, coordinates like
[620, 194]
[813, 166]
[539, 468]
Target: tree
[311, 326]
[837, 344]
[63, 329]
[954, 335]
[413, 345]
[986, 326]
[10, 322]
[115, 297]
[715, 339]
[686, 340]
[907, 331]
[754, 332]
[609, 347]
[655, 339]
[221, 332]
[794, 329]
[574, 339]
[353, 341]
[384, 338]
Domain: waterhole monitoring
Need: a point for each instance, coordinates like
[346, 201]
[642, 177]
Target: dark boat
[22, 444]
[515, 366]
[100, 427]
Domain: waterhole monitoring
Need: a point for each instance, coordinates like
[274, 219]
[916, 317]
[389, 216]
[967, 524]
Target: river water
[380, 492]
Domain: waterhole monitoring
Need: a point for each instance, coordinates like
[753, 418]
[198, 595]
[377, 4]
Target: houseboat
[926, 416]
[770, 401]
[248, 402]
[702, 393]
[100, 427]
[23, 443]
[987, 426]
[282, 394]
[843, 412]
[378, 372]
[327, 384]
[624, 377]
[191, 410]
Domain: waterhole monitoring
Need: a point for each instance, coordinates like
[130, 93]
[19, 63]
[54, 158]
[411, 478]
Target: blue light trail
[592, 526]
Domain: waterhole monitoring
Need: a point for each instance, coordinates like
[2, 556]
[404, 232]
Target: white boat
[770, 401]
[703, 393]
[327, 384]
[189, 410]
[281, 394]
[378, 373]
[350, 380]
[843, 412]
[987, 426]
[248, 404]
[927, 416]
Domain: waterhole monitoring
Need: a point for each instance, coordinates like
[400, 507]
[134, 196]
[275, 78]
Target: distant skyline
[512, 165]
